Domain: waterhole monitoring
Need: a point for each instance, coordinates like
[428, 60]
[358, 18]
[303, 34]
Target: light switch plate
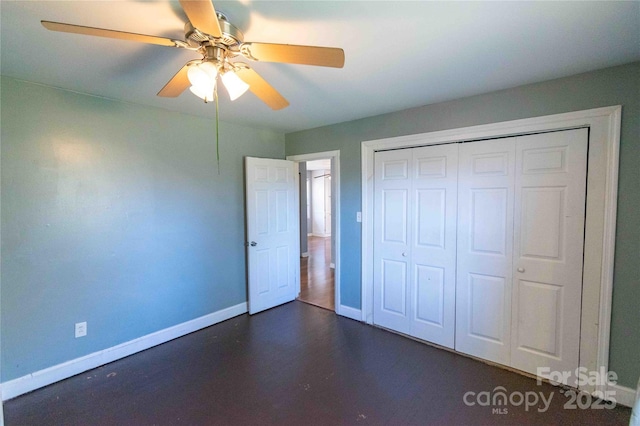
[81, 329]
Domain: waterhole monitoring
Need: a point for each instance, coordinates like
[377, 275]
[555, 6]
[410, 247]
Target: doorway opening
[317, 278]
[319, 229]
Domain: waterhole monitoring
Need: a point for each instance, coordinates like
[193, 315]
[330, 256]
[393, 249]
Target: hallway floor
[317, 283]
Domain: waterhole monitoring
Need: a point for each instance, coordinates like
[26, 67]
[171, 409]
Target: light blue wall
[612, 86]
[114, 214]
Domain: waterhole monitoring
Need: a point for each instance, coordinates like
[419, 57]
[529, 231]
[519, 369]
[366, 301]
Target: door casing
[335, 199]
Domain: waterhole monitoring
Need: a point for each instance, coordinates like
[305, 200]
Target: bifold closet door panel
[391, 252]
[485, 249]
[415, 242]
[433, 243]
[548, 250]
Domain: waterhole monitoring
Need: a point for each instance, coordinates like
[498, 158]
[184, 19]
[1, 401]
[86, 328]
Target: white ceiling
[399, 54]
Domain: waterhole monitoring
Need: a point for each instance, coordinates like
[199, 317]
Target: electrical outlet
[358, 216]
[81, 329]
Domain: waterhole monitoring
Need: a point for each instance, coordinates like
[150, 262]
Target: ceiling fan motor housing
[231, 36]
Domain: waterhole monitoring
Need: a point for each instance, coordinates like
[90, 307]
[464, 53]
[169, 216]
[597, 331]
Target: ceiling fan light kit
[234, 85]
[219, 42]
[203, 80]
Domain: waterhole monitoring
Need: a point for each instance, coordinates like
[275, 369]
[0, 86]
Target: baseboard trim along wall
[349, 312]
[623, 395]
[41, 378]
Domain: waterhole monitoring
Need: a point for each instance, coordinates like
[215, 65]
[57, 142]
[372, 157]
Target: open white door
[273, 248]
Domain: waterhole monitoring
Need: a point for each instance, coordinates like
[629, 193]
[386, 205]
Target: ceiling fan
[219, 42]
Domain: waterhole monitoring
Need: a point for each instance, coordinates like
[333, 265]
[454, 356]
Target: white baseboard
[623, 395]
[41, 378]
[349, 312]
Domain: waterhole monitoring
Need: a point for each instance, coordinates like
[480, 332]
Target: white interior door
[415, 245]
[318, 203]
[548, 250]
[327, 202]
[485, 249]
[391, 252]
[272, 232]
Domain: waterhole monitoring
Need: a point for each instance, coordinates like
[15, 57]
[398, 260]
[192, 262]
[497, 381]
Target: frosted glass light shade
[203, 80]
[206, 94]
[234, 85]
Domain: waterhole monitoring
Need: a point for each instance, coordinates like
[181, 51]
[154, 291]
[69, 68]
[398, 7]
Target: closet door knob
[404, 254]
[520, 269]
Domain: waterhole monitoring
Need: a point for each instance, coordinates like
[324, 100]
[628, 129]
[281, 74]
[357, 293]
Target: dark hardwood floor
[293, 365]
[317, 285]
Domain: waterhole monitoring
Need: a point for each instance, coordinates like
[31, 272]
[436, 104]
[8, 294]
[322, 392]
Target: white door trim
[335, 197]
[600, 224]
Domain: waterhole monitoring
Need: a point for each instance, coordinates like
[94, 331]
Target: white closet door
[433, 243]
[415, 242]
[548, 250]
[485, 249]
[391, 240]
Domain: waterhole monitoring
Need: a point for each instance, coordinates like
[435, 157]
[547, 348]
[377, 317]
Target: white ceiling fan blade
[294, 54]
[100, 32]
[202, 15]
[178, 83]
[263, 90]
